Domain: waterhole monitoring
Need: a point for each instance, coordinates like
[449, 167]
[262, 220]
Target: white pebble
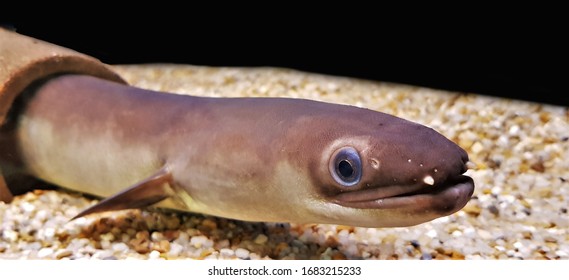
[10, 235]
[119, 247]
[343, 236]
[562, 254]
[226, 252]
[101, 255]
[477, 148]
[510, 253]
[500, 242]
[432, 233]
[175, 250]
[45, 252]
[49, 233]
[528, 228]
[82, 222]
[35, 246]
[154, 255]
[351, 250]
[105, 244]
[157, 236]
[36, 223]
[242, 253]
[503, 141]
[496, 190]
[183, 238]
[198, 241]
[469, 232]
[212, 257]
[525, 252]
[42, 215]
[332, 86]
[208, 243]
[28, 207]
[107, 236]
[514, 130]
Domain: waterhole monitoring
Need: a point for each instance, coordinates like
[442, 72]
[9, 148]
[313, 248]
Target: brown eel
[253, 159]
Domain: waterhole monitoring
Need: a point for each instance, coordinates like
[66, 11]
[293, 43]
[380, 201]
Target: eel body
[253, 159]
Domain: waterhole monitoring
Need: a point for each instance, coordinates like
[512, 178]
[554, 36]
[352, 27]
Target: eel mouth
[446, 197]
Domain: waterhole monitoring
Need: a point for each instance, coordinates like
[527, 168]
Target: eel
[251, 159]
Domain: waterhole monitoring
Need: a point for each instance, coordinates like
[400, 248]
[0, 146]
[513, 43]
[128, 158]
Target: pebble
[261, 239]
[28, 207]
[519, 210]
[175, 250]
[154, 255]
[119, 247]
[562, 254]
[198, 241]
[10, 235]
[63, 253]
[45, 252]
[242, 253]
[226, 252]
[432, 233]
[48, 233]
[156, 236]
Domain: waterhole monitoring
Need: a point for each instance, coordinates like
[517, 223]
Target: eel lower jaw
[444, 198]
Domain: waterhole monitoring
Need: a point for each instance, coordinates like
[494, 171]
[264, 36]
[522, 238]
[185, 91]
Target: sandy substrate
[518, 211]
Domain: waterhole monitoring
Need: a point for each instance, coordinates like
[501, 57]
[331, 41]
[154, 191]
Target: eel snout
[428, 179]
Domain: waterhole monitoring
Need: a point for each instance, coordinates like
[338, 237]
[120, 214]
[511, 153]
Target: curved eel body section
[254, 159]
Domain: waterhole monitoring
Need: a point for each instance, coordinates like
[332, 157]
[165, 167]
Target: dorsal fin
[5, 193]
[145, 193]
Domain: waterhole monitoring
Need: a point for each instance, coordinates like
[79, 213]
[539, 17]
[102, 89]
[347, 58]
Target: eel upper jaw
[446, 197]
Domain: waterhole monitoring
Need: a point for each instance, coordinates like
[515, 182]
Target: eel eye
[346, 166]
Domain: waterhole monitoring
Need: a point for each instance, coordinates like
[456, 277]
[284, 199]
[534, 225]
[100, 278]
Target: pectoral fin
[145, 193]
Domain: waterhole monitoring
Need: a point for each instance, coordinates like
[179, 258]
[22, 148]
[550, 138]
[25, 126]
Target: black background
[514, 59]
